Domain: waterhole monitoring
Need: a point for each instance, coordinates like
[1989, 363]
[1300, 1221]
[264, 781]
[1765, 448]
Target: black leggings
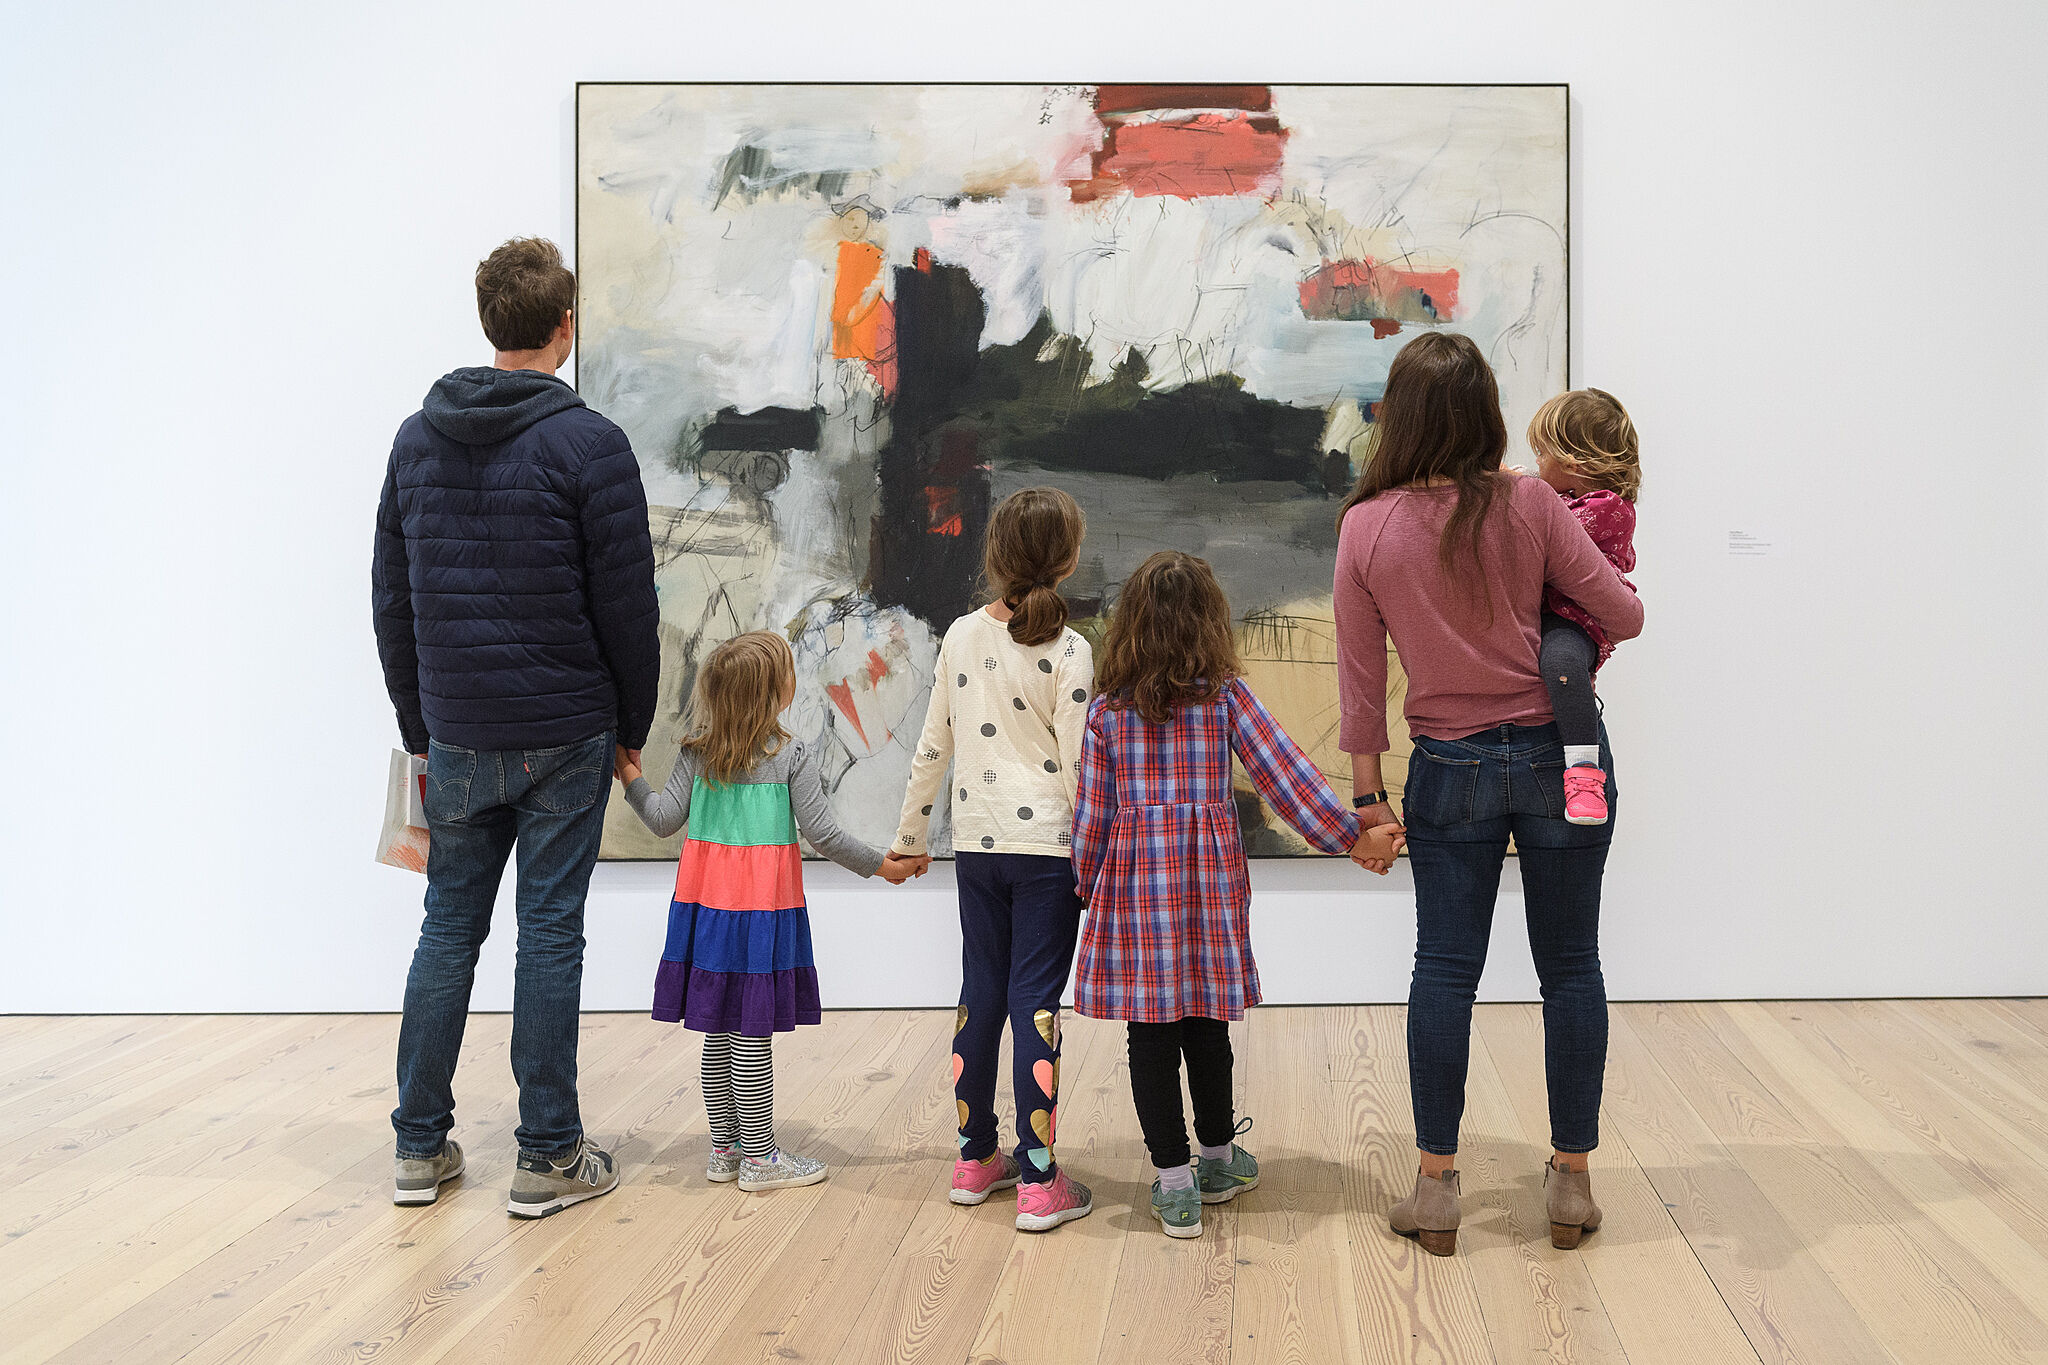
[1567, 660]
[1156, 1053]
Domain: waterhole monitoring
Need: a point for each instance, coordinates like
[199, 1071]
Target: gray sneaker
[723, 1167]
[419, 1179]
[783, 1168]
[541, 1186]
[1222, 1181]
[1178, 1211]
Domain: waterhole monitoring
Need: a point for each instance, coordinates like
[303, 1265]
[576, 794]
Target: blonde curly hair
[1588, 431]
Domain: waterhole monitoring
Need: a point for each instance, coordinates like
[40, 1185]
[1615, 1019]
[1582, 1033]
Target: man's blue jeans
[1464, 798]
[481, 805]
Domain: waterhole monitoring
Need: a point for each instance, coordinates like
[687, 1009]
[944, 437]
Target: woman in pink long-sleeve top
[1442, 551]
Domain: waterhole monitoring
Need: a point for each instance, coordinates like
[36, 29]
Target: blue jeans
[1019, 918]
[1464, 798]
[481, 805]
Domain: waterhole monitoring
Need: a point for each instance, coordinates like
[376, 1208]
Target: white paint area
[238, 253]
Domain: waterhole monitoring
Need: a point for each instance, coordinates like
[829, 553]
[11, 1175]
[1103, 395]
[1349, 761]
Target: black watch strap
[1378, 798]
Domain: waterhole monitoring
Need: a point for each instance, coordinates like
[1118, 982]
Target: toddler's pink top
[1469, 641]
[1610, 519]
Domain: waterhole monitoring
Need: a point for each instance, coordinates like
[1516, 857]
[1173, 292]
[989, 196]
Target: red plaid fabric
[1157, 854]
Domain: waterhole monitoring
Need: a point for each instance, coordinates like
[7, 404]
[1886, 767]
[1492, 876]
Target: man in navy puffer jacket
[516, 619]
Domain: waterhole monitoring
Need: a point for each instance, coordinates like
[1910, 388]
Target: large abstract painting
[840, 322]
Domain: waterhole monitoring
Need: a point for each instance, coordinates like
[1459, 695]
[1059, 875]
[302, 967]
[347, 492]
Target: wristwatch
[1378, 798]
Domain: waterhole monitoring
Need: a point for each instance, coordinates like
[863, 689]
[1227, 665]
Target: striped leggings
[739, 1093]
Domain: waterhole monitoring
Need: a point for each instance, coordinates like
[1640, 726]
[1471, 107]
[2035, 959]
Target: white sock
[1175, 1177]
[1217, 1153]
[1576, 754]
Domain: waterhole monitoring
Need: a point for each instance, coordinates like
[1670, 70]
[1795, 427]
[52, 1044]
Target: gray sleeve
[814, 817]
[667, 810]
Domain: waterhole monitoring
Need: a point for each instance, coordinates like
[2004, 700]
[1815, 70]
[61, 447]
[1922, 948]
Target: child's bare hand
[1378, 846]
[898, 868]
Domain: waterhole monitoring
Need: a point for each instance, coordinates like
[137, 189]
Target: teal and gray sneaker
[541, 1186]
[1178, 1211]
[1222, 1181]
[418, 1180]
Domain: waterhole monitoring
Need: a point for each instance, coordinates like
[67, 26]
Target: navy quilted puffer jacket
[514, 577]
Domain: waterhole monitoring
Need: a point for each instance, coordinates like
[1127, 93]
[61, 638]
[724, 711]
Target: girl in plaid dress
[1167, 945]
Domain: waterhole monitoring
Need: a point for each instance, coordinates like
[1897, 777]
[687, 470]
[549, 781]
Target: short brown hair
[1588, 431]
[522, 290]
[734, 715]
[1034, 540]
[1169, 642]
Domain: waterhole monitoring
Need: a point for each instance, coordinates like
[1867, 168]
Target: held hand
[1378, 845]
[626, 764]
[899, 868]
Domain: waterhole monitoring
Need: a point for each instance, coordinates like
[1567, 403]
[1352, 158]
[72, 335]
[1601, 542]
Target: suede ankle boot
[1573, 1213]
[1430, 1215]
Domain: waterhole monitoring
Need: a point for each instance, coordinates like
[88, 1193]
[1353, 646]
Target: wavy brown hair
[1169, 642]
[1439, 419]
[1034, 541]
[1588, 431]
[733, 715]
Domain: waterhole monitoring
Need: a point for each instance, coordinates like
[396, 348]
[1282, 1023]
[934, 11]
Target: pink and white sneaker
[1585, 795]
[1043, 1207]
[975, 1181]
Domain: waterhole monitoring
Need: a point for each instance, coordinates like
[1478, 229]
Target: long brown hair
[733, 716]
[1439, 419]
[1034, 541]
[1588, 431]
[1169, 642]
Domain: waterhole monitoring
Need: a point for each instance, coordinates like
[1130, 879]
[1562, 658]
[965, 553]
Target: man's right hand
[626, 764]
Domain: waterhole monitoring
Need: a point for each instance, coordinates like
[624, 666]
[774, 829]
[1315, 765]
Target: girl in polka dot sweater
[1009, 708]
[1585, 448]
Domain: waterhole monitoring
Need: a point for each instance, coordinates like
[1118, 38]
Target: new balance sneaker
[1585, 795]
[1043, 1207]
[1222, 1181]
[419, 1179]
[975, 1181]
[779, 1170]
[724, 1166]
[1178, 1211]
[541, 1185]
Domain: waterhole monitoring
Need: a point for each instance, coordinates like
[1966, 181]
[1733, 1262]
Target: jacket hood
[481, 406]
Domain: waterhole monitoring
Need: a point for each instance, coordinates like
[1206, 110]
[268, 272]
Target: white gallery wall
[1807, 252]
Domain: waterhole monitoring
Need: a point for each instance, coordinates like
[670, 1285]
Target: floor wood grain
[1852, 1181]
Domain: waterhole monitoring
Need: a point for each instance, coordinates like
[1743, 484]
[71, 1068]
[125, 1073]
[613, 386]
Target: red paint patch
[1132, 99]
[1207, 154]
[942, 508]
[1382, 328]
[877, 669]
[1362, 290]
[841, 694]
[922, 259]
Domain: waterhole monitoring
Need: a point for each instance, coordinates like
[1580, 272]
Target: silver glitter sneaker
[418, 1180]
[723, 1167]
[780, 1169]
[541, 1186]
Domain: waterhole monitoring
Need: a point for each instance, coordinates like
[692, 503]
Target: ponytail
[1034, 541]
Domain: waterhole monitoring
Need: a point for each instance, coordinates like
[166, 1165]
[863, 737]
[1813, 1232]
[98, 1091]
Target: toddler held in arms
[738, 967]
[1585, 448]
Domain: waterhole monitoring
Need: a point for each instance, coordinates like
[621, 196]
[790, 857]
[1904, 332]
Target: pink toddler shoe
[1041, 1208]
[974, 1181]
[1585, 795]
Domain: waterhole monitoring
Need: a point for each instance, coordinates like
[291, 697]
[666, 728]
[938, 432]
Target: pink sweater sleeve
[1361, 652]
[1575, 566]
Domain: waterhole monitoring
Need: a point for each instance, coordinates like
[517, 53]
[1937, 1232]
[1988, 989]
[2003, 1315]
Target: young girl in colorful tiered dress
[738, 965]
[1585, 448]
[1009, 699]
[1167, 944]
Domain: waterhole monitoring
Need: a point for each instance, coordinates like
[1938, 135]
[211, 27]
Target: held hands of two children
[897, 869]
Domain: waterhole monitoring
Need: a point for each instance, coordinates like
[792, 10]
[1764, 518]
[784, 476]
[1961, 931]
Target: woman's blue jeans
[1464, 798]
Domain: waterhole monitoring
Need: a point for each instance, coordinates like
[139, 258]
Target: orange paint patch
[942, 505]
[863, 323]
[841, 694]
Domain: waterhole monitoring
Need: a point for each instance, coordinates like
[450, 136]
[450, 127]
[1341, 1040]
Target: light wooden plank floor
[1859, 1182]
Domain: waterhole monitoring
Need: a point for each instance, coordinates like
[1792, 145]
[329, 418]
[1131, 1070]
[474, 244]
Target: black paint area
[769, 429]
